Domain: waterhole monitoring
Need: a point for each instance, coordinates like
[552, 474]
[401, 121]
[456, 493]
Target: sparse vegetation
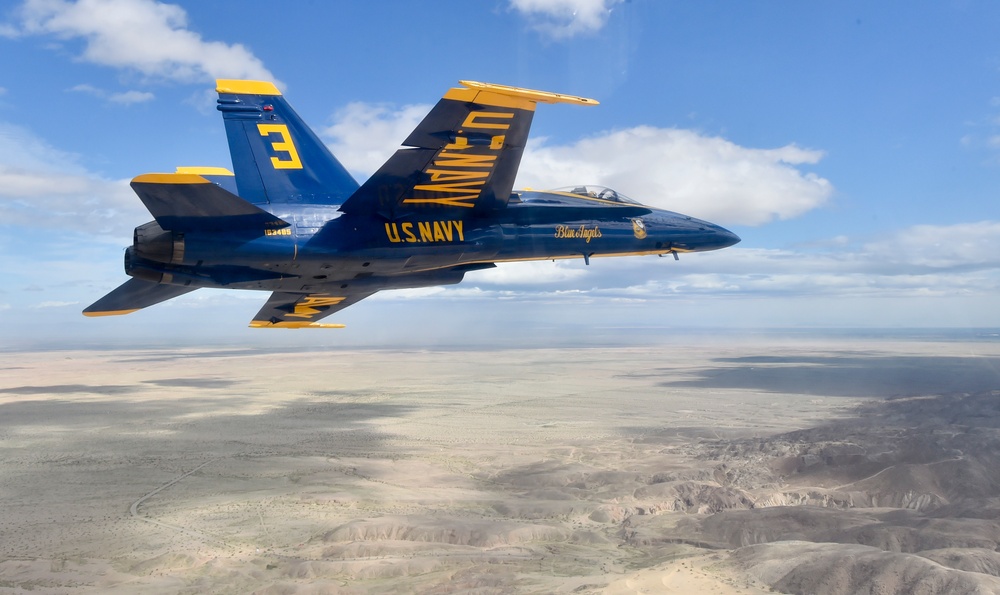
[416, 471]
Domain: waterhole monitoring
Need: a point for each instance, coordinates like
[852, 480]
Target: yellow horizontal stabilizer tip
[185, 178]
[292, 324]
[204, 171]
[110, 312]
[531, 94]
[240, 87]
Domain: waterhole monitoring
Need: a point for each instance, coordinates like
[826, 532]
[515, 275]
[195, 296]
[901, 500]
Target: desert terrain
[715, 466]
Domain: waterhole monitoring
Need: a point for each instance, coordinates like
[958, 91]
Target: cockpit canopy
[601, 192]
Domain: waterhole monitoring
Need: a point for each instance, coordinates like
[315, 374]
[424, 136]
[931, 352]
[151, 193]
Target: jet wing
[461, 159]
[302, 310]
[133, 295]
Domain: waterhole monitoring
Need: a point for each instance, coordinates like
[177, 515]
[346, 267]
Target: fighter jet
[291, 220]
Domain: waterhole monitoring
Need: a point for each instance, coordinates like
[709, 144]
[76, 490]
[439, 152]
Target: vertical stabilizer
[276, 157]
[461, 160]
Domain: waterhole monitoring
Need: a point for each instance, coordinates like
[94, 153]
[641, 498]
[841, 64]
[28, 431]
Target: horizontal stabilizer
[134, 294]
[216, 175]
[187, 202]
[303, 310]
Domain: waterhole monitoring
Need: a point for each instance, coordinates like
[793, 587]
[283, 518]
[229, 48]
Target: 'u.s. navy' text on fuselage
[415, 232]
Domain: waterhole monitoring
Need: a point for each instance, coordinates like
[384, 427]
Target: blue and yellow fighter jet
[292, 221]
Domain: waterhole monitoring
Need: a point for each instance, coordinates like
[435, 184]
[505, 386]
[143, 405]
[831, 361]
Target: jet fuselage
[323, 244]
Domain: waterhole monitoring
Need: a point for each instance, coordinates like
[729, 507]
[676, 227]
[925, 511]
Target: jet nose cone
[726, 237]
[717, 237]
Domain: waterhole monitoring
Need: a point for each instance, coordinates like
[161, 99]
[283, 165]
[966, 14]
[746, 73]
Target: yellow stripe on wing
[530, 94]
[490, 99]
[93, 313]
[515, 97]
[170, 179]
[204, 171]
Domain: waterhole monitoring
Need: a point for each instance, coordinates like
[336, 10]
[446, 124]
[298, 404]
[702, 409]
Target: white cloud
[53, 304]
[681, 170]
[565, 18]
[88, 89]
[901, 266]
[149, 37]
[363, 136]
[44, 187]
[965, 245]
[124, 98]
[410, 293]
[527, 273]
[130, 97]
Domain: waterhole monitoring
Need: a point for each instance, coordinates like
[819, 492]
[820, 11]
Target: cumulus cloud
[919, 261]
[965, 245]
[46, 188]
[149, 37]
[681, 170]
[532, 273]
[565, 18]
[363, 136]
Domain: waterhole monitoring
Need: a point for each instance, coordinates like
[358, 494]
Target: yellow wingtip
[203, 170]
[94, 314]
[242, 87]
[292, 324]
[175, 178]
[530, 94]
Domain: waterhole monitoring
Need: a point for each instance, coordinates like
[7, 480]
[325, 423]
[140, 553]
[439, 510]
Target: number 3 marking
[284, 145]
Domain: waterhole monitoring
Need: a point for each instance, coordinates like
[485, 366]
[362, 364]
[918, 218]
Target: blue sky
[854, 146]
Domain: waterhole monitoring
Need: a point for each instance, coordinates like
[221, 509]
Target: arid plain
[714, 466]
